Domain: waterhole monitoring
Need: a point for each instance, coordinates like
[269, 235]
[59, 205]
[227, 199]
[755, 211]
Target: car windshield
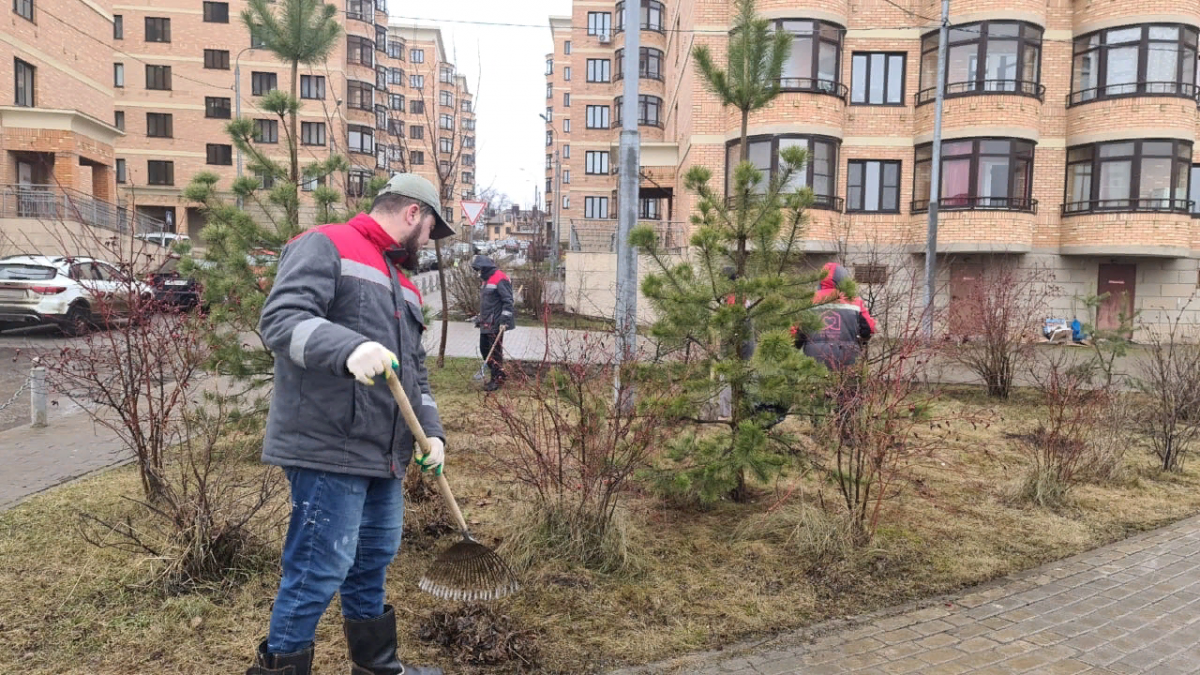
[25, 272]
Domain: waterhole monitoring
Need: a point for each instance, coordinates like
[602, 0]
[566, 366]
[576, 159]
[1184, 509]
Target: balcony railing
[1021, 204]
[642, 122]
[48, 202]
[1128, 89]
[819, 203]
[976, 87]
[600, 236]
[814, 85]
[1164, 205]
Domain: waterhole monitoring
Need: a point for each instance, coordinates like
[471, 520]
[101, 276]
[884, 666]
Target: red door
[965, 279]
[1118, 281]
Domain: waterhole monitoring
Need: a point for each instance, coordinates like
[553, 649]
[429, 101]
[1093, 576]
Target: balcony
[1017, 204]
[819, 203]
[984, 88]
[51, 203]
[1161, 205]
[1184, 90]
[600, 236]
[814, 86]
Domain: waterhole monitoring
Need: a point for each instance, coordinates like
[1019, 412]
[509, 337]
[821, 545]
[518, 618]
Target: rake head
[469, 571]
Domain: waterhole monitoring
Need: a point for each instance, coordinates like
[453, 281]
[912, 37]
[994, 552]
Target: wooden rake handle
[393, 382]
[495, 344]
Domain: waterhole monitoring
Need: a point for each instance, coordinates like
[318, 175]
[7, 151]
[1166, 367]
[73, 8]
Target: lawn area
[701, 579]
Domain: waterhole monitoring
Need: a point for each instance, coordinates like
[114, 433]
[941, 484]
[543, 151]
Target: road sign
[472, 210]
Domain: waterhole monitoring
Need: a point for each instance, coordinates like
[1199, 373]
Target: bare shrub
[1000, 314]
[1169, 379]
[573, 444]
[462, 285]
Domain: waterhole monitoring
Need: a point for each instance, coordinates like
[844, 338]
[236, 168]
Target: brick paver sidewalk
[1130, 607]
[38, 459]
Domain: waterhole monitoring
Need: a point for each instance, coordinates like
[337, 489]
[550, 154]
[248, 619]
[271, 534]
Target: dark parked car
[173, 289]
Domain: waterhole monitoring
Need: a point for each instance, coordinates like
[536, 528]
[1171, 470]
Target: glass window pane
[1021, 177]
[1029, 68]
[1086, 74]
[1031, 32]
[731, 162]
[890, 201]
[992, 181]
[1181, 180]
[858, 78]
[1123, 35]
[1194, 192]
[921, 181]
[855, 174]
[800, 178]
[760, 157]
[1162, 68]
[1080, 154]
[995, 147]
[1002, 30]
[878, 71]
[1164, 32]
[925, 152]
[961, 33]
[929, 70]
[854, 196]
[962, 65]
[895, 79]
[1116, 149]
[872, 187]
[1155, 181]
[1122, 70]
[957, 147]
[1115, 179]
[827, 62]
[1079, 183]
[956, 182]
[891, 174]
[1157, 148]
[799, 63]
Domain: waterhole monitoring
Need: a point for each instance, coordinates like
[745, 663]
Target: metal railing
[814, 85]
[1162, 205]
[974, 87]
[1127, 89]
[1021, 204]
[819, 202]
[600, 236]
[48, 202]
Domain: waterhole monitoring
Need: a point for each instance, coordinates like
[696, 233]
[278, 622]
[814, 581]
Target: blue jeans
[344, 532]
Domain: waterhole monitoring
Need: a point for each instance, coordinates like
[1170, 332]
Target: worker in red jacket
[496, 309]
[847, 326]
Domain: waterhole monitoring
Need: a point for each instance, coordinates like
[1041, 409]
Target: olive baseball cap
[416, 187]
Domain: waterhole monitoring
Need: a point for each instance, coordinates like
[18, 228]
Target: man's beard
[412, 250]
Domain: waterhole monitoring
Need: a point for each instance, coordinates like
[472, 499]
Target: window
[873, 186]
[566, 177]
[361, 139]
[566, 202]
[312, 87]
[566, 126]
[158, 77]
[160, 125]
[118, 27]
[356, 183]
[417, 56]
[595, 207]
[358, 10]
[381, 118]
[596, 162]
[396, 76]
[1194, 188]
[24, 8]
[416, 158]
[549, 115]
[216, 12]
[567, 73]
[648, 209]
[877, 78]
[567, 47]
[265, 180]
[599, 70]
[567, 100]
[159, 172]
[266, 131]
[820, 173]
[446, 98]
[395, 49]
[311, 184]
[468, 160]
[446, 145]
[381, 78]
[360, 95]
[219, 154]
[650, 61]
[263, 83]
[416, 81]
[118, 74]
[395, 127]
[216, 59]
[982, 173]
[158, 29]
[360, 50]
[416, 107]
[446, 76]
[871, 274]
[312, 133]
[122, 171]
[396, 102]
[217, 108]
[1134, 175]
[446, 122]
[814, 63]
[119, 119]
[649, 110]
[416, 132]
[466, 106]
[549, 160]
[468, 177]
[256, 42]
[549, 138]
[1154, 59]
[653, 14]
[381, 39]
[598, 117]
[549, 186]
[992, 56]
[600, 25]
[468, 125]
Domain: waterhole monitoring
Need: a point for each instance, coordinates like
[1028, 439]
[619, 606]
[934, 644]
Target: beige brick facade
[1151, 231]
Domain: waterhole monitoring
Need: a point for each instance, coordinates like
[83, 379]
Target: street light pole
[237, 97]
[556, 202]
[935, 175]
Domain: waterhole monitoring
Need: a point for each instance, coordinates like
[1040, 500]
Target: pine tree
[739, 287]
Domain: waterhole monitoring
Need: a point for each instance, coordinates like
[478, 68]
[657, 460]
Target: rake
[468, 570]
[483, 366]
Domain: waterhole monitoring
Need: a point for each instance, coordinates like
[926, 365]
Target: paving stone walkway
[1130, 607]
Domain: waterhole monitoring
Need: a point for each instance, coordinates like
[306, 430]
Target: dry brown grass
[703, 578]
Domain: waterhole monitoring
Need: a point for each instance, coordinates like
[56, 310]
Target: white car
[72, 293]
[164, 239]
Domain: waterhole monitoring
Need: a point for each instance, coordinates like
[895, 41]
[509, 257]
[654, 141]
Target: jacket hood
[483, 264]
[834, 275]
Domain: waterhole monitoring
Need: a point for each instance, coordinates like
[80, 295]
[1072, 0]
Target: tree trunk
[441, 360]
[745, 127]
[294, 150]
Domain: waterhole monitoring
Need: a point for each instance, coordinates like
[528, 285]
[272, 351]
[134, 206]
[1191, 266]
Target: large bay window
[653, 16]
[993, 57]
[814, 63]
[650, 63]
[1135, 175]
[649, 111]
[1146, 60]
[977, 173]
[819, 172]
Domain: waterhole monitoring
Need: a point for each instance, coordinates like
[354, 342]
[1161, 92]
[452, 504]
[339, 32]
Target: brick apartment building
[1068, 137]
[124, 104]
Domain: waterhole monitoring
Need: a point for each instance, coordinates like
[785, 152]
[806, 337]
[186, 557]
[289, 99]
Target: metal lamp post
[237, 98]
[557, 203]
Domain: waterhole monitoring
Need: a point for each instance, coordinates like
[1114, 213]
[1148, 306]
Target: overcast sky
[505, 67]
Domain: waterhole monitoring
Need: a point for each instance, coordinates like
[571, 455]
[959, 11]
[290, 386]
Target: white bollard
[37, 397]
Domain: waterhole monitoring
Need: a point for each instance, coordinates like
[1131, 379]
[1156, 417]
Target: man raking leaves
[340, 315]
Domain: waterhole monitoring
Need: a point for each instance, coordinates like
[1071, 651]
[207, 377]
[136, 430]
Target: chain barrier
[17, 395]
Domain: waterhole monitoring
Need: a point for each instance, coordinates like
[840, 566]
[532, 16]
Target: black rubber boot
[265, 663]
[372, 645]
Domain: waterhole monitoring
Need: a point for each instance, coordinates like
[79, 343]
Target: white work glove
[435, 458]
[370, 359]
